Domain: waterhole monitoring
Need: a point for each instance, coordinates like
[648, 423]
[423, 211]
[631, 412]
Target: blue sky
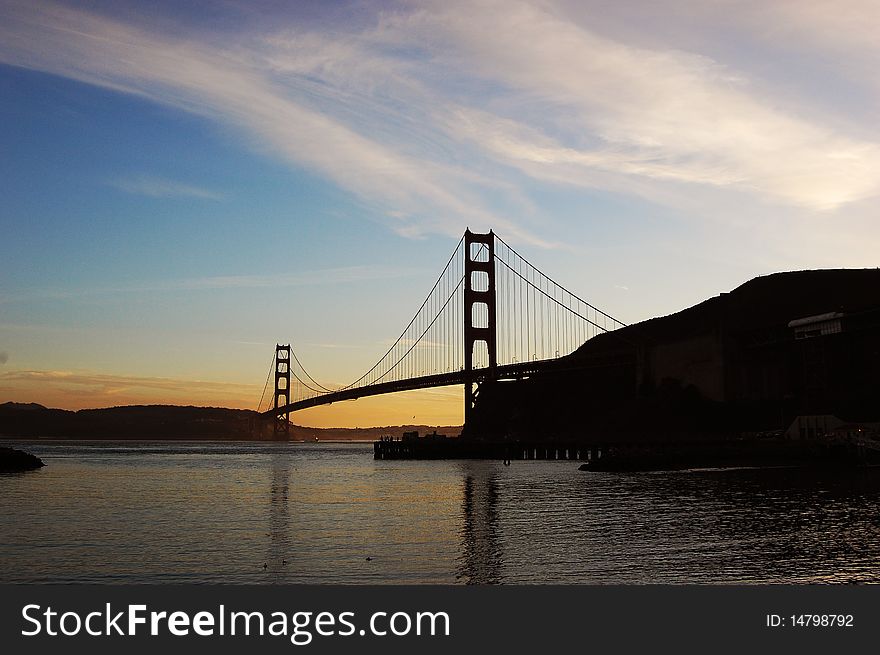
[184, 185]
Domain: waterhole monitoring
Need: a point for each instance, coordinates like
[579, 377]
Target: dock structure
[632, 456]
[458, 448]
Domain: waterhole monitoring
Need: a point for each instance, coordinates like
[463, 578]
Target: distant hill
[151, 422]
[134, 422]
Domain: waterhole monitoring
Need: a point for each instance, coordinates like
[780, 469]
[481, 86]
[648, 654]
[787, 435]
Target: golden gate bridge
[491, 315]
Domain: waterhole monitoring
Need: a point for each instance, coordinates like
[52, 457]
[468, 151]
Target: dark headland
[786, 366]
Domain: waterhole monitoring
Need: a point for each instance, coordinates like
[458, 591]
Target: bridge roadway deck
[516, 371]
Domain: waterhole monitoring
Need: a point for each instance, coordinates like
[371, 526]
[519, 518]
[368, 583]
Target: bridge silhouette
[491, 315]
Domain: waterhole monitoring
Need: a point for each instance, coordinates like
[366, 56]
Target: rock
[12, 461]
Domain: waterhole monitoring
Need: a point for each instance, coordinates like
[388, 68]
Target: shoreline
[63, 440]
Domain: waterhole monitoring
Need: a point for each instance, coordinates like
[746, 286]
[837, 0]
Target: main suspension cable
[403, 334]
[573, 295]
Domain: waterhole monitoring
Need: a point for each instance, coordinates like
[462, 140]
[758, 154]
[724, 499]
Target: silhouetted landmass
[134, 422]
[14, 461]
[728, 366]
[148, 422]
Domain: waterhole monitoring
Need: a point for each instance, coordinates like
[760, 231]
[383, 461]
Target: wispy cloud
[232, 84]
[637, 112]
[842, 27]
[117, 382]
[332, 346]
[65, 388]
[437, 126]
[337, 275]
[310, 278]
[158, 187]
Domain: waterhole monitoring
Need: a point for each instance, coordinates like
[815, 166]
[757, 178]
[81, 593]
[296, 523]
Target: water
[117, 512]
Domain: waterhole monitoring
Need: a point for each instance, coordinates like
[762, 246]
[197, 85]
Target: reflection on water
[479, 561]
[281, 513]
[280, 547]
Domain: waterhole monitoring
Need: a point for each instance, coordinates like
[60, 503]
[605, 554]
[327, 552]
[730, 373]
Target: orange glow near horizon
[78, 390]
[443, 406]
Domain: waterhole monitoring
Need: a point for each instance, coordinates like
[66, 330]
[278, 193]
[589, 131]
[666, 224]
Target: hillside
[729, 365]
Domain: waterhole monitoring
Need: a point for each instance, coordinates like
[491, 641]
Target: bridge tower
[479, 291]
[282, 390]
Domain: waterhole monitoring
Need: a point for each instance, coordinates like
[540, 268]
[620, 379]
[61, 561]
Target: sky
[184, 185]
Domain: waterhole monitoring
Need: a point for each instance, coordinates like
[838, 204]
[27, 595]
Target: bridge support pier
[282, 391]
[479, 309]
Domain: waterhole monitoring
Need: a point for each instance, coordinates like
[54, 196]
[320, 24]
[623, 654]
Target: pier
[631, 456]
[458, 448]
